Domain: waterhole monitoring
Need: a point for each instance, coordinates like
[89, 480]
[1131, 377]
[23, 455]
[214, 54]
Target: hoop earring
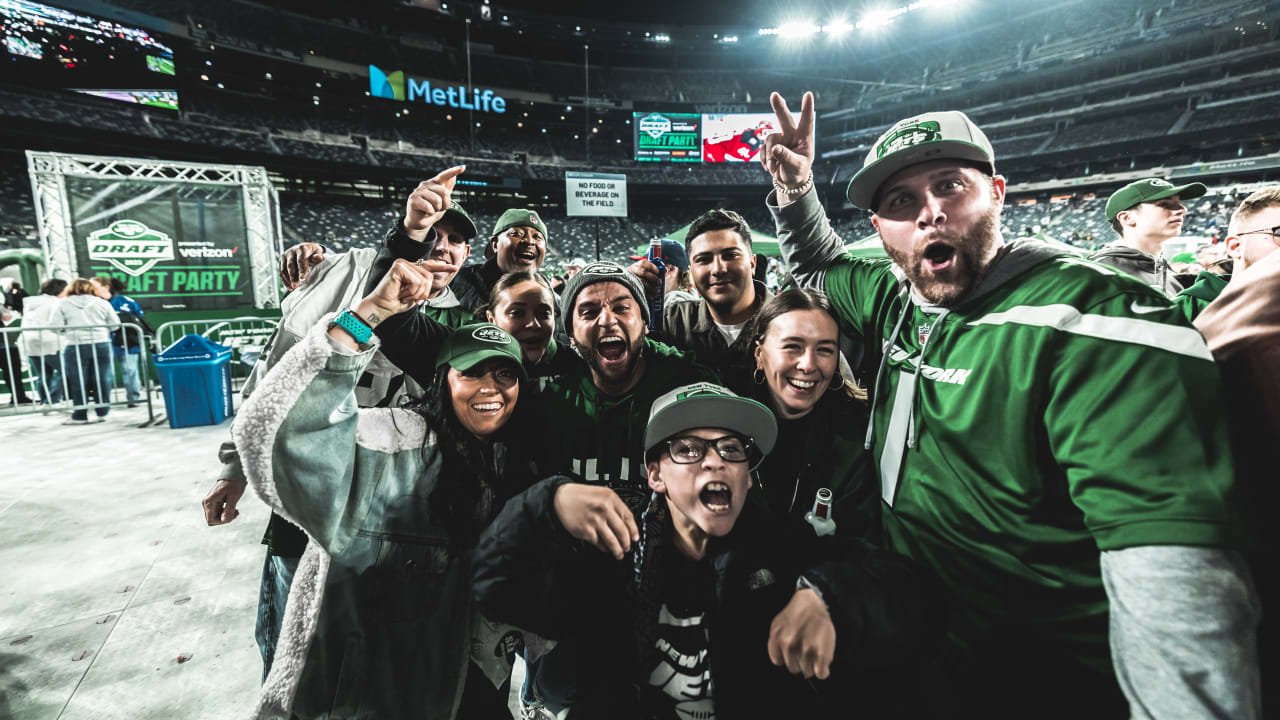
[758, 376]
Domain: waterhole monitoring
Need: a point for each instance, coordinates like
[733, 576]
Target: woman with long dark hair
[822, 418]
[379, 621]
[523, 304]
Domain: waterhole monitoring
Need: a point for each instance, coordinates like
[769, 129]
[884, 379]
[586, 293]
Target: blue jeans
[128, 362]
[88, 369]
[277, 576]
[48, 377]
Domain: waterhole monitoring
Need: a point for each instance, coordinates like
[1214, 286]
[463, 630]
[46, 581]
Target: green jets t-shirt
[601, 437]
[1069, 410]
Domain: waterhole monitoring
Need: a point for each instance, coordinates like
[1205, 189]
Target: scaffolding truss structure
[49, 171]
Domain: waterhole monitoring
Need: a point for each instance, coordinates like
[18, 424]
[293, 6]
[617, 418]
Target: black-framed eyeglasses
[688, 450]
[1273, 232]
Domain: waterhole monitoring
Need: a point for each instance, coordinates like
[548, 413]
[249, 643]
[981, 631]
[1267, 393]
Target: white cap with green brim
[707, 405]
[948, 135]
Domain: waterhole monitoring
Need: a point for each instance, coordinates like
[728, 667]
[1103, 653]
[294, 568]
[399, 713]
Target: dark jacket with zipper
[688, 325]
[823, 449]
[529, 572]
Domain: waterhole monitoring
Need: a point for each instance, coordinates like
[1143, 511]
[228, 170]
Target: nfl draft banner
[175, 246]
[162, 273]
[595, 194]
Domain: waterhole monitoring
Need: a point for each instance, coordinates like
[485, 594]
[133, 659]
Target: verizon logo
[207, 252]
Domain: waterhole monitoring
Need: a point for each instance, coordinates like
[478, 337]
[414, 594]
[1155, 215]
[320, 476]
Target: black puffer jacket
[529, 572]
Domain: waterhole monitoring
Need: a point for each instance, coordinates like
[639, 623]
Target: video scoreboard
[701, 137]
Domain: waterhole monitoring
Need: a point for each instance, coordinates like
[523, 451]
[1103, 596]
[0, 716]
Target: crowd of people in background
[982, 475]
[979, 476]
[74, 338]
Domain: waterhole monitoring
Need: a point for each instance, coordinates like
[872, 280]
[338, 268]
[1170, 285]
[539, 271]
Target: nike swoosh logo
[1144, 309]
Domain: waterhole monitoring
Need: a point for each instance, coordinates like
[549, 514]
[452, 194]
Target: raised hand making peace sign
[788, 155]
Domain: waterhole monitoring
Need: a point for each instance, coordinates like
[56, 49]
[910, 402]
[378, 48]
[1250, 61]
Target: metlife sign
[398, 86]
[595, 194]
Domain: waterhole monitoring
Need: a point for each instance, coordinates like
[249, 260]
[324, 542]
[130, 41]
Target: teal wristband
[355, 327]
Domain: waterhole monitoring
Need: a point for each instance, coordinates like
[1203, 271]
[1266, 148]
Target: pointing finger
[447, 177]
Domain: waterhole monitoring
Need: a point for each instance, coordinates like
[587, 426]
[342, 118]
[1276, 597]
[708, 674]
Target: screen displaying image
[167, 99]
[737, 137]
[53, 48]
[667, 137]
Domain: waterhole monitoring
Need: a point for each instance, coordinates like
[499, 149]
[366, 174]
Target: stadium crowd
[985, 474]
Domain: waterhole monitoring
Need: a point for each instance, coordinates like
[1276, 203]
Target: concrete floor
[116, 600]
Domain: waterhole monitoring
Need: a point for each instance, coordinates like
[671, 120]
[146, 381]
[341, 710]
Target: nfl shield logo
[922, 332]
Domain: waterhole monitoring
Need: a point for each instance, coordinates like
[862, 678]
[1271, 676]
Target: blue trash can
[195, 375]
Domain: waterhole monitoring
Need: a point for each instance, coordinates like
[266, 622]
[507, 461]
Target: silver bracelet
[789, 192]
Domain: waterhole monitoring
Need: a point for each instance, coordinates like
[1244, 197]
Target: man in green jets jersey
[1049, 438]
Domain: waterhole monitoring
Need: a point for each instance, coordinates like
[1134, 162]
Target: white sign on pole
[595, 194]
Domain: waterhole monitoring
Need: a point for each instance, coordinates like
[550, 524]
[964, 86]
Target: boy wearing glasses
[721, 610]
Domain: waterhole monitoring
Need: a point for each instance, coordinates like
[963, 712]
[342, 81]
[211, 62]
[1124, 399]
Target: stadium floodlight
[837, 27]
[768, 31]
[880, 18]
[798, 29]
[730, 39]
[662, 38]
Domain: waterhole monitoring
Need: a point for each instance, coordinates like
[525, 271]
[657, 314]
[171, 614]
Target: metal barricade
[246, 336]
[77, 376]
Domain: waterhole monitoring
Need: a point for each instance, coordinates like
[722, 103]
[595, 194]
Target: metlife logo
[398, 86]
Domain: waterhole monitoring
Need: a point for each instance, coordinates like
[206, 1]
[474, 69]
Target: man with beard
[1145, 214]
[1049, 438]
[721, 264]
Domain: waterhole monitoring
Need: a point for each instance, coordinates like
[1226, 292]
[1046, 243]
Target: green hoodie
[600, 437]
[1045, 417]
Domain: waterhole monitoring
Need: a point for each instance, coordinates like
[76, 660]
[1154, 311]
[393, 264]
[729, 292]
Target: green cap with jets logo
[1149, 190]
[471, 345]
[948, 135]
[458, 214]
[515, 217]
[707, 405]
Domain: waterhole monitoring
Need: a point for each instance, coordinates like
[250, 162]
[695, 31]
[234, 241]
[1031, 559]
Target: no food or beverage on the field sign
[595, 194]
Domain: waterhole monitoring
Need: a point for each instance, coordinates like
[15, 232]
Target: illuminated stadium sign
[701, 137]
[398, 86]
[53, 48]
[667, 137]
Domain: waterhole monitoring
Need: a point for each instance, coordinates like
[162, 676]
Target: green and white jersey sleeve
[1062, 409]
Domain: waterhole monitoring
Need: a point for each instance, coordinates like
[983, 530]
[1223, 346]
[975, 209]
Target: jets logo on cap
[1161, 183]
[602, 268]
[702, 388]
[491, 334]
[910, 133]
